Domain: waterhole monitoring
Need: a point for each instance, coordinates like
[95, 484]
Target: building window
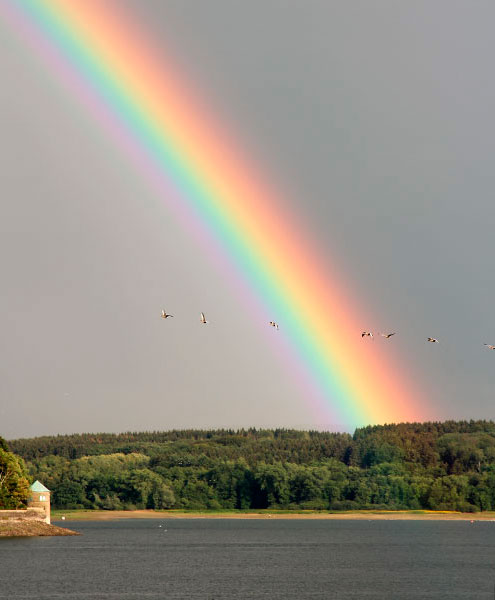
[42, 498]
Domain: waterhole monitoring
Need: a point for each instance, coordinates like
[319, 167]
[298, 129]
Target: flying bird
[387, 335]
[489, 346]
[367, 334]
[202, 318]
[165, 315]
[433, 340]
[273, 324]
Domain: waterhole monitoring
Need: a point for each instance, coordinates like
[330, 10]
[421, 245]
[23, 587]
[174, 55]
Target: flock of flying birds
[202, 319]
[364, 334]
[429, 339]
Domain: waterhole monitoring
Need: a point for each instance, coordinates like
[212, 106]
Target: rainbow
[224, 200]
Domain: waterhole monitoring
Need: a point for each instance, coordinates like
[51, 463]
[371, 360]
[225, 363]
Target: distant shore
[419, 515]
[30, 528]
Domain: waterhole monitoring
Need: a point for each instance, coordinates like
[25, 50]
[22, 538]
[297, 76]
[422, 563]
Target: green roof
[38, 487]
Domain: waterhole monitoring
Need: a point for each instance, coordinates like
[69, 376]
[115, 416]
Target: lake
[224, 559]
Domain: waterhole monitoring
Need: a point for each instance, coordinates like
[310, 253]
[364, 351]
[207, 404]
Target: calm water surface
[233, 559]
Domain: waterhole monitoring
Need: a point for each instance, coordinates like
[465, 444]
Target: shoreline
[103, 515]
[30, 528]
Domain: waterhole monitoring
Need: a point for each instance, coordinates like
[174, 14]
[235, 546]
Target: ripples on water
[236, 559]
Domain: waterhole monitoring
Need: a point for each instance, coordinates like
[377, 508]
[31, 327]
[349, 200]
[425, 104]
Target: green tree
[447, 493]
[274, 483]
[305, 483]
[14, 484]
[69, 494]
[150, 491]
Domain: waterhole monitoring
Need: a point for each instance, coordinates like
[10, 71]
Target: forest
[435, 466]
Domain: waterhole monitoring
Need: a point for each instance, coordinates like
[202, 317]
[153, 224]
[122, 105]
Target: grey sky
[377, 116]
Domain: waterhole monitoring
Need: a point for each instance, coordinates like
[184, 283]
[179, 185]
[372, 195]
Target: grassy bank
[419, 515]
[31, 529]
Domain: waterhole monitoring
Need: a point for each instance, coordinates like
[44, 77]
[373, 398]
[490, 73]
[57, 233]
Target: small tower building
[40, 498]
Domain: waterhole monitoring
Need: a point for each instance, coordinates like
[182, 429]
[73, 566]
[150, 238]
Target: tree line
[437, 466]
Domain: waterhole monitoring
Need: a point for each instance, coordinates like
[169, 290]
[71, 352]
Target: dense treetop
[449, 465]
[14, 485]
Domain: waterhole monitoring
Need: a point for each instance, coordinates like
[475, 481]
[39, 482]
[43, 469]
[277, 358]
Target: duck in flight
[273, 324]
[367, 334]
[489, 346]
[387, 335]
[202, 318]
[165, 315]
[433, 340]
